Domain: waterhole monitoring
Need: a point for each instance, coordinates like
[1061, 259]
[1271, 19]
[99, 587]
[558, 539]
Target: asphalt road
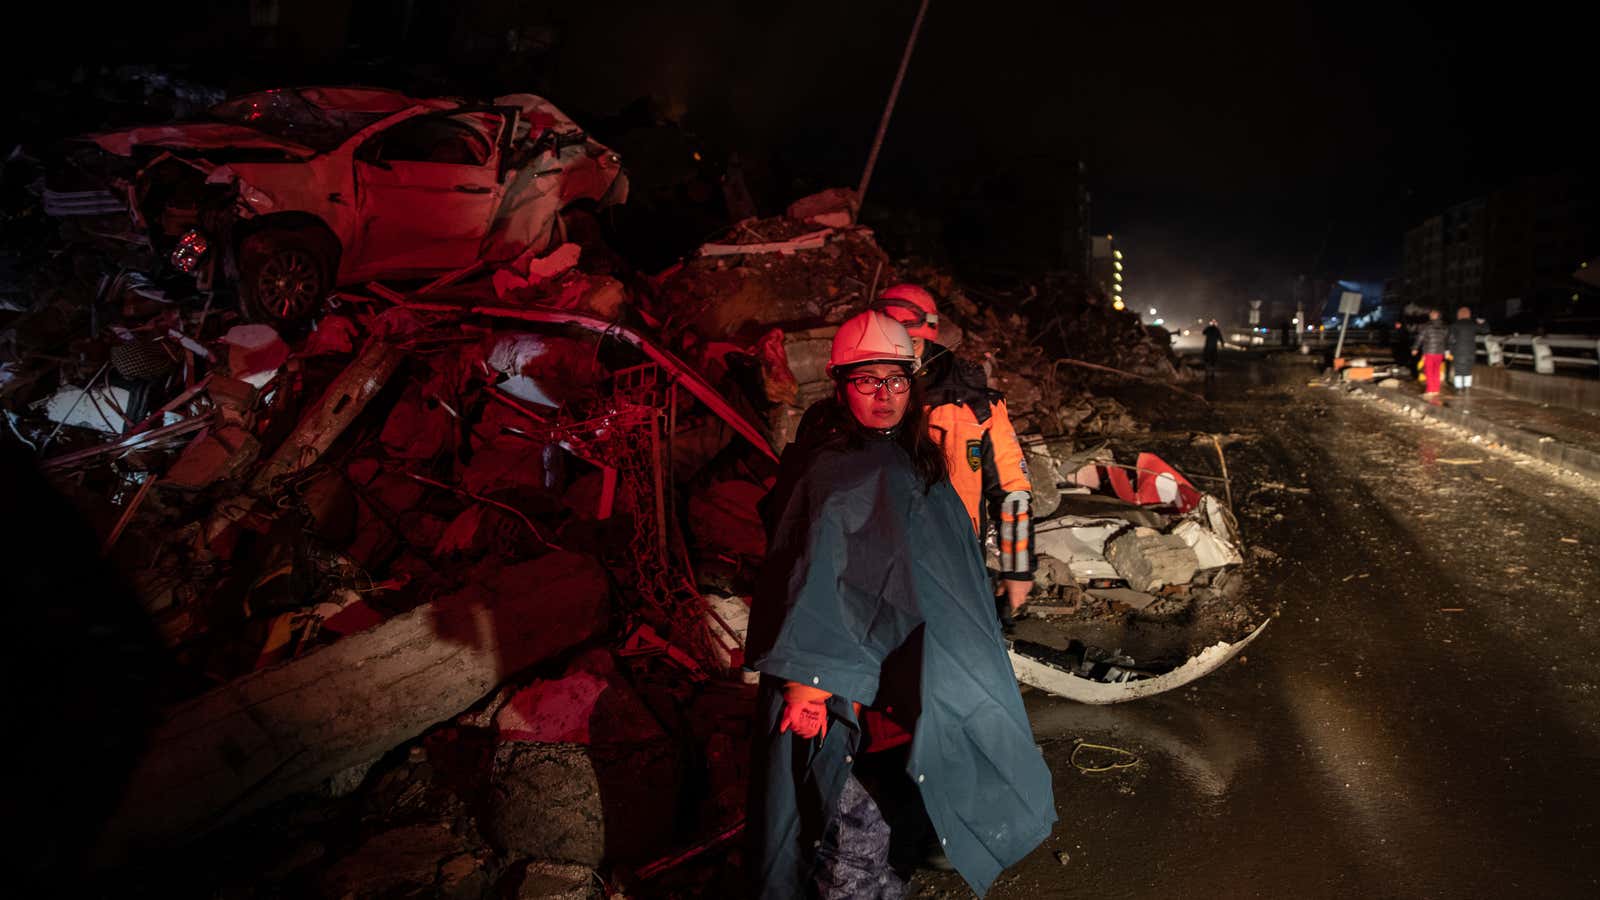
[1422, 720]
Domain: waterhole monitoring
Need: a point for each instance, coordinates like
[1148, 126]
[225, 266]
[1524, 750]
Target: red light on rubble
[190, 251]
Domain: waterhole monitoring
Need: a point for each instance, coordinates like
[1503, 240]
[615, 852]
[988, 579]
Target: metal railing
[1544, 352]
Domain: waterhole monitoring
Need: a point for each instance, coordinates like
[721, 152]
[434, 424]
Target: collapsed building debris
[285, 729]
[1140, 585]
[506, 519]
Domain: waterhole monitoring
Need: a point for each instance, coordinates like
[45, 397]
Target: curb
[1539, 446]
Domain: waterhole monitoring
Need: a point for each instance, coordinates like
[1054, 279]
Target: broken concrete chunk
[254, 349]
[834, 207]
[1148, 559]
[1080, 543]
[531, 271]
[1136, 600]
[220, 454]
[234, 397]
[1211, 551]
[1043, 476]
[582, 804]
[286, 729]
[401, 860]
[559, 260]
[556, 881]
[590, 704]
[1051, 572]
[807, 354]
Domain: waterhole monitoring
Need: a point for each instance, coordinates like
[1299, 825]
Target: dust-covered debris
[411, 477]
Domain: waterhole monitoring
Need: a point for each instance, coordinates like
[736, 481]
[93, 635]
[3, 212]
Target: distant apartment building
[1509, 254]
[1444, 258]
[1541, 229]
[1424, 262]
[1464, 234]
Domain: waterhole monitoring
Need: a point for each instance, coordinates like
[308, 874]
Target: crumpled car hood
[196, 136]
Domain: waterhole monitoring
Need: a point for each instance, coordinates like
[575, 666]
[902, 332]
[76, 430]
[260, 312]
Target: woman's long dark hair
[912, 433]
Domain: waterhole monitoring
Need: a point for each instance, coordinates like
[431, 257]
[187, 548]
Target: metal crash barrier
[1543, 352]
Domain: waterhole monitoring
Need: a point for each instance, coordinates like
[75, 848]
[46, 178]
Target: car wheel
[284, 275]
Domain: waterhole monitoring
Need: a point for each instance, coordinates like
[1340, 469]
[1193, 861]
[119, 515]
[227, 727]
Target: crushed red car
[285, 194]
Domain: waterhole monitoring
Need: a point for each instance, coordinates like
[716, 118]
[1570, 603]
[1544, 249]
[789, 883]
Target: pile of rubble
[1140, 581]
[476, 554]
[458, 504]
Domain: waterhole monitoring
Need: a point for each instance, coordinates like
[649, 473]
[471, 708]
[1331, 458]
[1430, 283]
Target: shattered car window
[290, 116]
[436, 139]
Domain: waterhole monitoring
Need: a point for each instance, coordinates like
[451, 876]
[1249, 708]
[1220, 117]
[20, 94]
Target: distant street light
[1118, 304]
[1152, 310]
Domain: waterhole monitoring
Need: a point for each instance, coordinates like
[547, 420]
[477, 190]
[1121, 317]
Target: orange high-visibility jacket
[968, 420]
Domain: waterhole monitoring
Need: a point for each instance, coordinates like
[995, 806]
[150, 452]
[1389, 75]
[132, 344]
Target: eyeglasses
[866, 384]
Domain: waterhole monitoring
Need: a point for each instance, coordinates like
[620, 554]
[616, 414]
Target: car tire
[284, 274]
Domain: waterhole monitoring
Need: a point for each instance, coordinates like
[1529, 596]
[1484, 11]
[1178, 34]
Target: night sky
[1230, 146]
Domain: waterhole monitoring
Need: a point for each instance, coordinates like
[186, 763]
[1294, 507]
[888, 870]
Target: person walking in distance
[1463, 351]
[1213, 347]
[1432, 340]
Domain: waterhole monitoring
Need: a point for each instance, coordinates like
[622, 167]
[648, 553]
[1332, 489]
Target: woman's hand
[805, 711]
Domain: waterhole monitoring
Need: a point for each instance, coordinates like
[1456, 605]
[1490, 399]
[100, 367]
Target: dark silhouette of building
[1541, 230]
[1509, 256]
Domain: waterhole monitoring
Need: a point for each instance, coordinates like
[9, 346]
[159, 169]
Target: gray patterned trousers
[853, 859]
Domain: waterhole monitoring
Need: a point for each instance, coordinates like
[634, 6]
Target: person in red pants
[1432, 340]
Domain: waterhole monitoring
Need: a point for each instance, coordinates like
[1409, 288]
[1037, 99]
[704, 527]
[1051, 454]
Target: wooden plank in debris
[287, 729]
[810, 241]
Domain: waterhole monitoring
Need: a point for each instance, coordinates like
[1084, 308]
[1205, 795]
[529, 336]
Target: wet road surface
[1374, 742]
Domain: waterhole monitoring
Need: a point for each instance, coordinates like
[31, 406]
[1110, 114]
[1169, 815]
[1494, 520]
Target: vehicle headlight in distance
[190, 251]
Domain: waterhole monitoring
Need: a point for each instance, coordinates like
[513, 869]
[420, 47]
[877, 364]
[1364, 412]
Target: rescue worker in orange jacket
[968, 420]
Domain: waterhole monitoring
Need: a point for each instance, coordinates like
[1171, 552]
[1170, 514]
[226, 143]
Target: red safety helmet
[913, 307]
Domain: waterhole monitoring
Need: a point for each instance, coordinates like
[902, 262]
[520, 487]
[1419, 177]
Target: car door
[427, 189]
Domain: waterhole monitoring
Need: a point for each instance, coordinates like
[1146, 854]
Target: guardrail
[1544, 352]
[1353, 337]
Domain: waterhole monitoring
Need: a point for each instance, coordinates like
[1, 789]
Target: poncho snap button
[921, 778]
[849, 759]
[815, 679]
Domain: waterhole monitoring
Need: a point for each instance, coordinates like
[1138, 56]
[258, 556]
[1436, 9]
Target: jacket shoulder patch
[975, 454]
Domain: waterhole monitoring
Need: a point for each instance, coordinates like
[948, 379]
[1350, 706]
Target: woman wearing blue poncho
[888, 721]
